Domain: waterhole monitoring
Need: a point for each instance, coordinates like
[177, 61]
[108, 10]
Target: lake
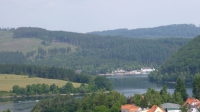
[127, 85]
[138, 84]
[19, 104]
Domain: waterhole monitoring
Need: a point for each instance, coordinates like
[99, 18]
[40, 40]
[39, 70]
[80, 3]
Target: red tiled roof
[192, 100]
[154, 107]
[130, 107]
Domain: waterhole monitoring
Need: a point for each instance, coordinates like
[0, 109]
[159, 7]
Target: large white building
[147, 69]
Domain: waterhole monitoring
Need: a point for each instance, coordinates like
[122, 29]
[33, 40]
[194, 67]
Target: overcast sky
[97, 15]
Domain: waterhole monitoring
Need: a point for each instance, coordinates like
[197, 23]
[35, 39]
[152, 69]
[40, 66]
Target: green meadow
[7, 81]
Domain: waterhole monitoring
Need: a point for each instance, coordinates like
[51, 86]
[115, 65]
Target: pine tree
[164, 94]
[180, 87]
[196, 87]
[178, 98]
[144, 103]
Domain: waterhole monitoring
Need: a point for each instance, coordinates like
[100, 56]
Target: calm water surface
[127, 85]
[138, 84]
[19, 104]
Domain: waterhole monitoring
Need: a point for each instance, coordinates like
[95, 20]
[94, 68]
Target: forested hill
[91, 53]
[184, 63]
[176, 30]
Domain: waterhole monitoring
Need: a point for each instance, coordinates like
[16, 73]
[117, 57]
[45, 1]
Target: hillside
[8, 43]
[176, 30]
[184, 63]
[91, 53]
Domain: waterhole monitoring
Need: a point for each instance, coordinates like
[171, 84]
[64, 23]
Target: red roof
[130, 107]
[192, 101]
[154, 107]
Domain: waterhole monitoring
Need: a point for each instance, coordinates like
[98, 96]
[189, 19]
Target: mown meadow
[7, 81]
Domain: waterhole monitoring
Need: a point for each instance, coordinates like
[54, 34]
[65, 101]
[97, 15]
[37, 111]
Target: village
[145, 70]
[191, 105]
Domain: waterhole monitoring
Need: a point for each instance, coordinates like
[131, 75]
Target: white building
[147, 69]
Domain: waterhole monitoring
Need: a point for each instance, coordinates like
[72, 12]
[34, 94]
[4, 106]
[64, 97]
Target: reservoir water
[138, 84]
[127, 85]
[22, 104]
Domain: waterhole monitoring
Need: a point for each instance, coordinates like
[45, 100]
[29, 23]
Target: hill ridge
[174, 30]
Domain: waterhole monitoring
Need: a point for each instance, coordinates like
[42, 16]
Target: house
[192, 103]
[171, 107]
[155, 108]
[147, 70]
[130, 108]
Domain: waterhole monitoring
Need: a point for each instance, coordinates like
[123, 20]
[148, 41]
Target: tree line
[44, 72]
[175, 30]
[96, 102]
[98, 84]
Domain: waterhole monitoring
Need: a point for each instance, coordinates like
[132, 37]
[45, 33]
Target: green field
[7, 81]
[7, 43]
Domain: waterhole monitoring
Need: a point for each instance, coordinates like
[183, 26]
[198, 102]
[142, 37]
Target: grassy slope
[7, 81]
[7, 43]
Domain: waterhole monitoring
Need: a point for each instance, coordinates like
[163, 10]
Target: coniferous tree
[144, 103]
[178, 98]
[164, 94]
[180, 87]
[196, 87]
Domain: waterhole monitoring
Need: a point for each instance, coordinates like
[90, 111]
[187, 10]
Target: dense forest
[95, 54]
[12, 57]
[44, 72]
[176, 30]
[184, 63]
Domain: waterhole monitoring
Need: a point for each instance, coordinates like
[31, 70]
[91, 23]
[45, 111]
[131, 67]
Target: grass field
[7, 43]
[7, 81]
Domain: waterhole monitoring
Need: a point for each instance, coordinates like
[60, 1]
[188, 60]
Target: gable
[158, 110]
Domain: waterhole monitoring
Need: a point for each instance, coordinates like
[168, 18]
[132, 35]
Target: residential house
[130, 108]
[156, 108]
[192, 103]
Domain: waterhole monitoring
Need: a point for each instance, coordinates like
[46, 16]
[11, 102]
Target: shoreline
[43, 95]
[122, 74]
[23, 96]
[168, 82]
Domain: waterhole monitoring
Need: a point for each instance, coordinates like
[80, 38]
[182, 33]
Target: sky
[97, 15]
